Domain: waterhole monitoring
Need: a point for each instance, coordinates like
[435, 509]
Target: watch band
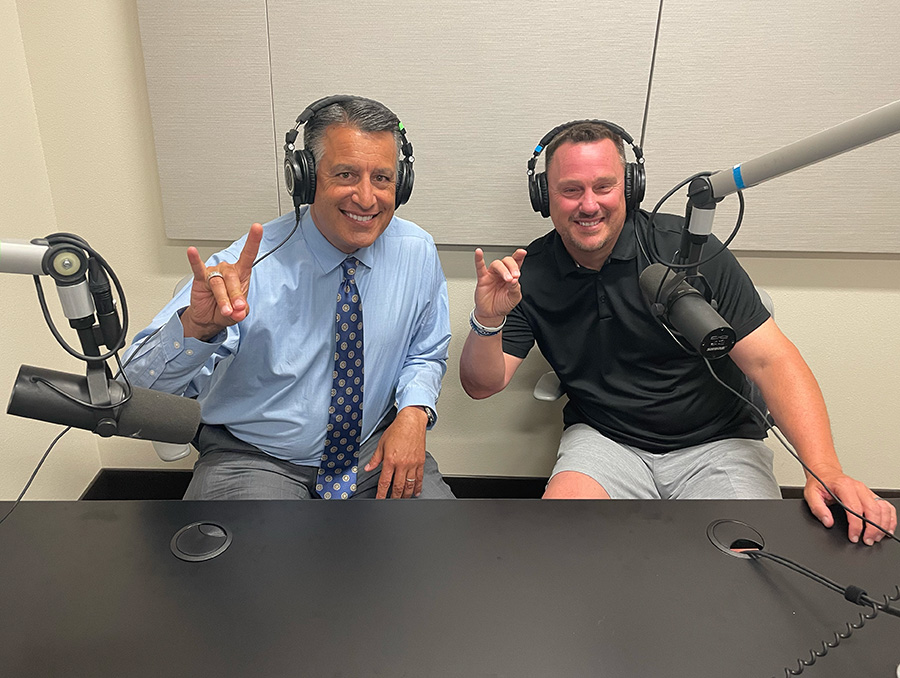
[432, 416]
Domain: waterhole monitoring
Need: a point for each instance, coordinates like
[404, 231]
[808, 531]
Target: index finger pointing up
[480, 268]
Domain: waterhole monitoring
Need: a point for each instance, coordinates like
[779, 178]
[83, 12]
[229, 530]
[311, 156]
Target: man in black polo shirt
[645, 419]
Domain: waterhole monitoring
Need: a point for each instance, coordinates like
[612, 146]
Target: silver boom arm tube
[859, 131]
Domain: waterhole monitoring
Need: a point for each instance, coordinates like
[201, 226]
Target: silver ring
[410, 480]
[214, 274]
[879, 498]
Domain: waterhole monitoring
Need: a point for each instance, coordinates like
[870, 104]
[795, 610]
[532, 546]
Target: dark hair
[366, 115]
[584, 133]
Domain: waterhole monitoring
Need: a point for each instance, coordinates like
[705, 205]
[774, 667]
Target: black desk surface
[499, 588]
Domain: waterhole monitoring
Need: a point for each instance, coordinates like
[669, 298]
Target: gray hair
[366, 115]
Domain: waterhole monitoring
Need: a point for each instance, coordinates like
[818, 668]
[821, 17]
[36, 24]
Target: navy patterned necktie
[337, 473]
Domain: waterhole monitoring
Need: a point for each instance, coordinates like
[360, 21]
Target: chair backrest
[186, 280]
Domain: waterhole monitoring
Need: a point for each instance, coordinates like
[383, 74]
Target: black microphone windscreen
[656, 283]
[148, 415]
[687, 311]
[154, 415]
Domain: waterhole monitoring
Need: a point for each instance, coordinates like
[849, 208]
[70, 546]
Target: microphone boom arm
[704, 192]
[859, 131]
[62, 257]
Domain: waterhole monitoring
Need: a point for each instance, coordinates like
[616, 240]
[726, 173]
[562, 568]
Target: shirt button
[152, 372]
[602, 300]
[177, 344]
[190, 351]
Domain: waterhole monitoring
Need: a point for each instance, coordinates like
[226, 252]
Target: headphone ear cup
[543, 195]
[300, 176]
[629, 186]
[635, 185]
[291, 181]
[405, 177]
[533, 193]
[307, 176]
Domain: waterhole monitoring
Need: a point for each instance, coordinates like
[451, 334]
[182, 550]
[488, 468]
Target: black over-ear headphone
[635, 177]
[300, 165]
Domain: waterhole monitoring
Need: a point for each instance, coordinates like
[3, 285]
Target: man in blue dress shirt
[253, 336]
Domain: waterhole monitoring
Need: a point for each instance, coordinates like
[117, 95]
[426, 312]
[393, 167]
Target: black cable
[851, 593]
[157, 330]
[278, 246]
[34, 473]
[797, 567]
[120, 341]
[769, 426]
[113, 352]
[650, 250]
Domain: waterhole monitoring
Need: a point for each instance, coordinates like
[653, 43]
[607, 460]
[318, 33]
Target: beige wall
[76, 154]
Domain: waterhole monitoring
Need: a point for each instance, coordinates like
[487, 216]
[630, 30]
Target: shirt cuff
[420, 399]
[181, 350]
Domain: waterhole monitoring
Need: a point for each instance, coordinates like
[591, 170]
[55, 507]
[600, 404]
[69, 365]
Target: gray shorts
[735, 468]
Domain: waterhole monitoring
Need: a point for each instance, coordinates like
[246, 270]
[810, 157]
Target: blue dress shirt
[268, 378]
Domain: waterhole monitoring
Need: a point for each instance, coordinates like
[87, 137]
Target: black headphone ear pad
[300, 176]
[629, 186]
[405, 177]
[543, 194]
[306, 184]
[638, 185]
[534, 193]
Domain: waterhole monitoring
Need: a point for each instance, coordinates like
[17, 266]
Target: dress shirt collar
[327, 255]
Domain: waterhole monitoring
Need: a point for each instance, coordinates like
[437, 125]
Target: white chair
[174, 451]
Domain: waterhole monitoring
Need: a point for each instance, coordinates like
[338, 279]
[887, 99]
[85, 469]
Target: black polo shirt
[623, 373]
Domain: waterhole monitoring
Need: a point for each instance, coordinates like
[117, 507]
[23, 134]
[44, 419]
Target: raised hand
[497, 288]
[219, 293]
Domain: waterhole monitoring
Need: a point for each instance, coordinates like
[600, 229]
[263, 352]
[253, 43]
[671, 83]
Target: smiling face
[355, 186]
[586, 186]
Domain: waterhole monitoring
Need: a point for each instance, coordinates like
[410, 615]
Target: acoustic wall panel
[477, 84]
[207, 66]
[736, 80]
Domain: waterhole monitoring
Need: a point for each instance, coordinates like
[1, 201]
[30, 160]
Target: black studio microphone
[147, 415]
[683, 307]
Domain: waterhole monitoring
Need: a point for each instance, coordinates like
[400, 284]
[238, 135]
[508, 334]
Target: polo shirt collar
[625, 249]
